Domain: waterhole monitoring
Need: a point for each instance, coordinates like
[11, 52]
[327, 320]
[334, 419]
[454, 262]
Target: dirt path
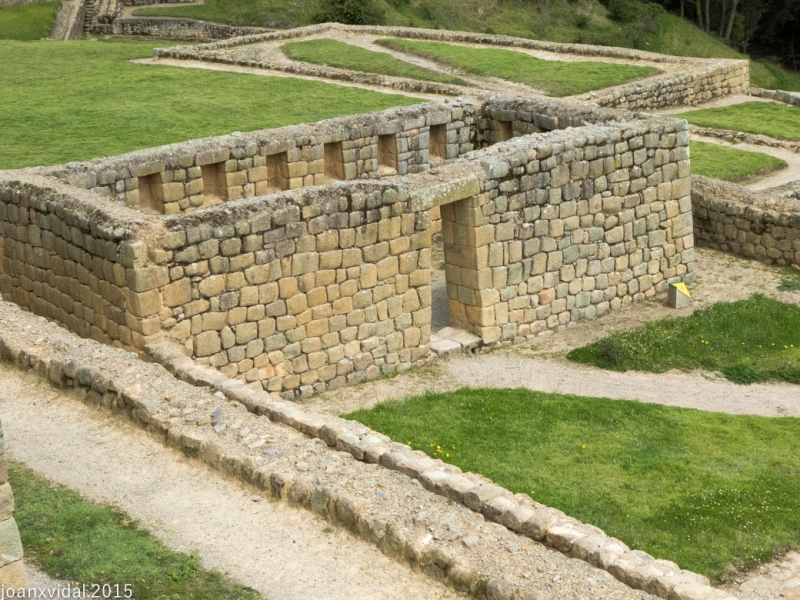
[281, 551]
[65, 17]
[774, 179]
[541, 365]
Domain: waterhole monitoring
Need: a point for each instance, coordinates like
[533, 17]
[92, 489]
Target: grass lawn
[109, 105]
[86, 543]
[347, 56]
[751, 340]
[553, 77]
[706, 490]
[779, 121]
[26, 22]
[731, 164]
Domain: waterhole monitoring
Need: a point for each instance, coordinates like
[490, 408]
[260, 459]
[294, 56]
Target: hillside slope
[581, 21]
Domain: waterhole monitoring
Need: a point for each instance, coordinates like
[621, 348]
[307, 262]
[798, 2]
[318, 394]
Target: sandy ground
[282, 552]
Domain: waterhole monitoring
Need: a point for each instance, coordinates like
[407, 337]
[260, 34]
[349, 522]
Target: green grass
[731, 164]
[109, 105]
[26, 22]
[748, 341]
[706, 490]
[346, 56]
[779, 121]
[556, 78]
[91, 544]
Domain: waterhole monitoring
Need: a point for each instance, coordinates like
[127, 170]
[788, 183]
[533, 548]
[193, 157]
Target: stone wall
[16, 2]
[65, 258]
[12, 570]
[791, 98]
[201, 173]
[569, 227]
[690, 87]
[684, 80]
[759, 225]
[169, 28]
[304, 289]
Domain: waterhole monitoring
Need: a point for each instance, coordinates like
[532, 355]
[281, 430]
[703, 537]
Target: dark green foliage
[350, 12]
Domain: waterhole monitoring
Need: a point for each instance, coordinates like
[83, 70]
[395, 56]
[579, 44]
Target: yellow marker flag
[681, 287]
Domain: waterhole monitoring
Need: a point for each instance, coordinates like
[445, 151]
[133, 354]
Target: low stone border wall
[171, 28]
[211, 427]
[760, 225]
[792, 98]
[12, 569]
[748, 138]
[701, 80]
[17, 2]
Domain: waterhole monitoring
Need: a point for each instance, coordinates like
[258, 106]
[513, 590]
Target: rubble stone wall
[759, 225]
[170, 28]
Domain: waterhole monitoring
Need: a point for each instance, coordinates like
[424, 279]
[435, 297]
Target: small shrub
[350, 12]
[582, 21]
[625, 11]
[791, 284]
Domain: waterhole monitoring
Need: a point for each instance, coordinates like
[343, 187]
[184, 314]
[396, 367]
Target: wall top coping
[566, 113]
[734, 194]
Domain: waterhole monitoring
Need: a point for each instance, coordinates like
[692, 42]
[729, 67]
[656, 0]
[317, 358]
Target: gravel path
[281, 551]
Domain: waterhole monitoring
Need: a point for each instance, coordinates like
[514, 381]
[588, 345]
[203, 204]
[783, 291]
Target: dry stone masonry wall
[306, 291]
[66, 259]
[202, 173]
[759, 225]
[320, 286]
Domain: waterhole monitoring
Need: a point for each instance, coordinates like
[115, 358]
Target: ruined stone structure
[12, 570]
[760, 225]
[231, 247]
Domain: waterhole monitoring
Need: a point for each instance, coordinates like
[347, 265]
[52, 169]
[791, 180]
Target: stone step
[450, 340]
